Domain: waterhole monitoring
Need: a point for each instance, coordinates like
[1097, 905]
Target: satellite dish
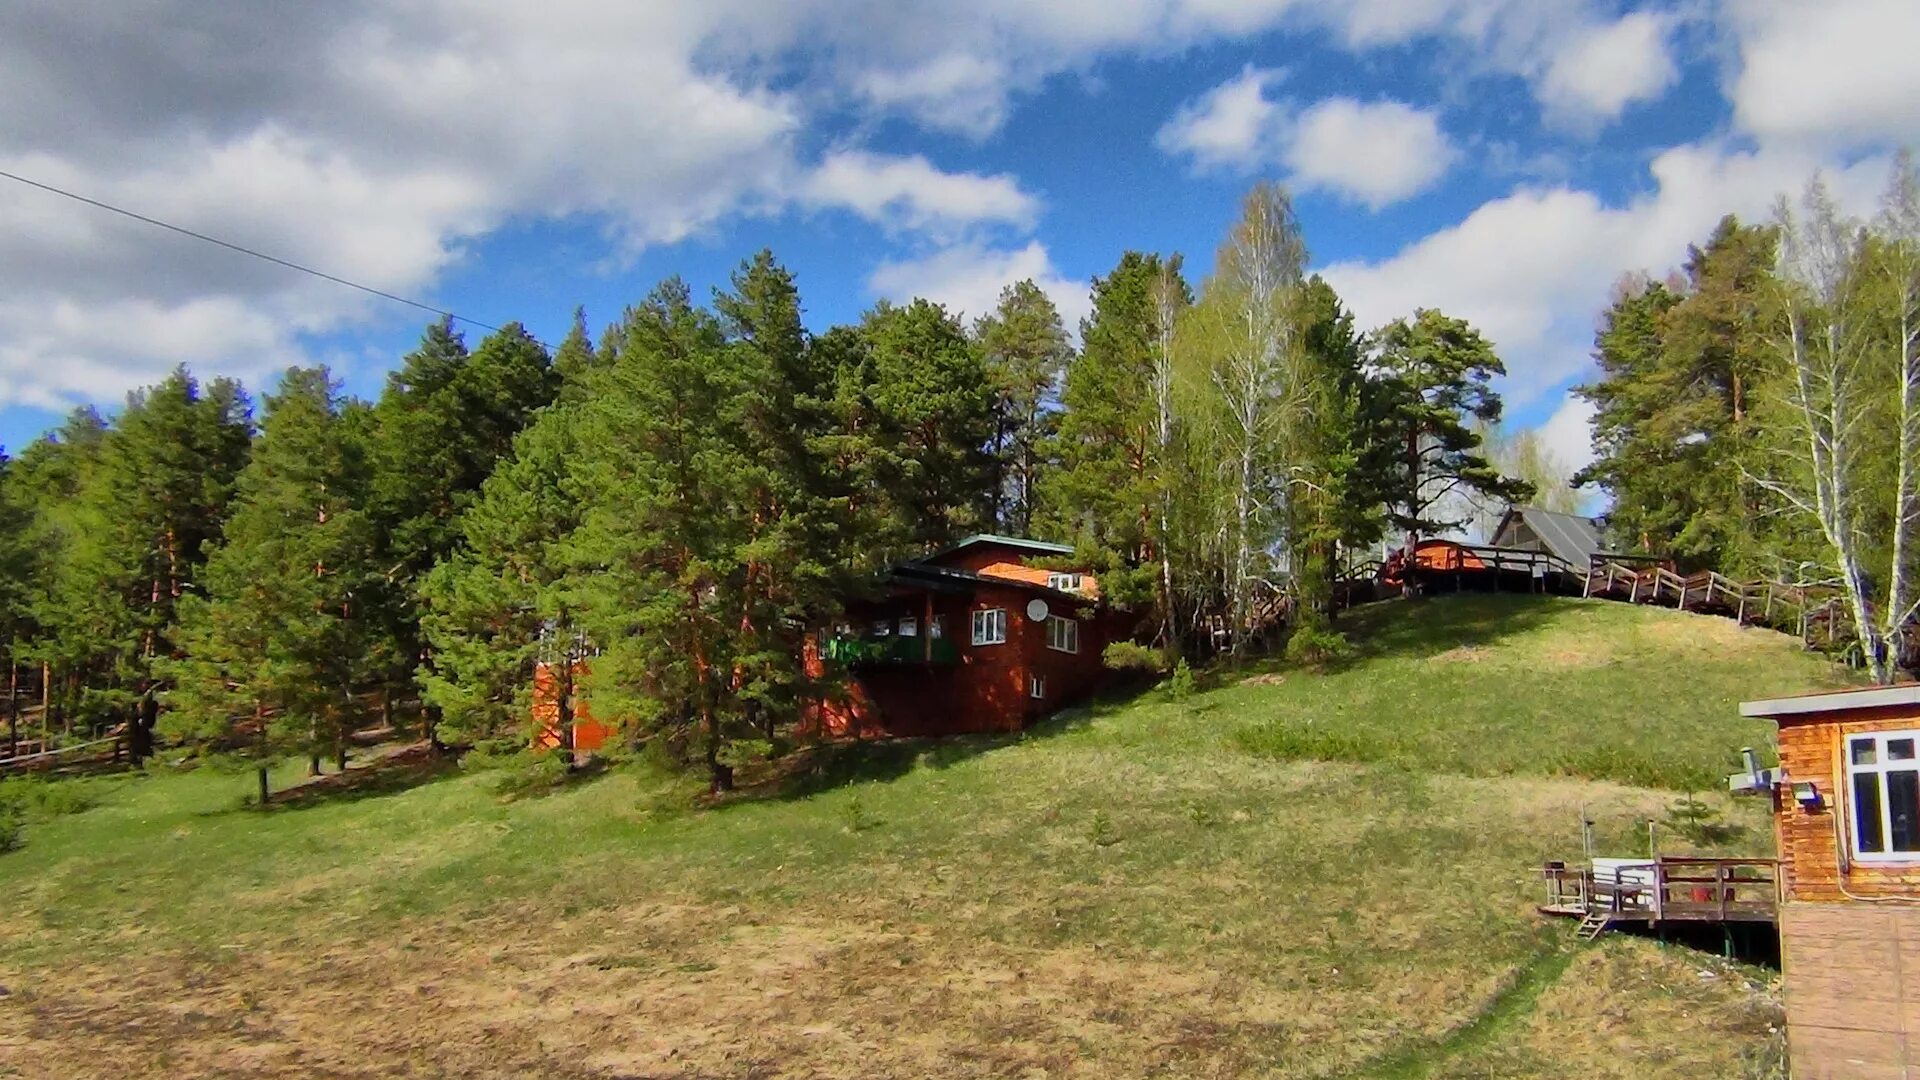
[1037, 609]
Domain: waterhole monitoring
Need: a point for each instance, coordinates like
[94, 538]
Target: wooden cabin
[979, 637]
[1846, 802]
[1573, 539]
[588, 734]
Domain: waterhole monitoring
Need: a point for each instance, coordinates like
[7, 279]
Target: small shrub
[10, 828]
[526, 773]
[1318, 646]
[30, 796]
[1132, 656]
[1101, 830]
[858, 818]
[1182, 684]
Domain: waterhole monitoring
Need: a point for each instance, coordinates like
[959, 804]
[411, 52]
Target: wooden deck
[1669, 889]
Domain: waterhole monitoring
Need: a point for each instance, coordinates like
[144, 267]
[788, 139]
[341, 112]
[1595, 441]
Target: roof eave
[1877, 697]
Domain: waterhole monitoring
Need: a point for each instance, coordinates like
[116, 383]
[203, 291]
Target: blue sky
[1504, 160]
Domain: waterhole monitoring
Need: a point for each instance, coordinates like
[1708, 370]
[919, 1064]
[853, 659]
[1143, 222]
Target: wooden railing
[1682, 889]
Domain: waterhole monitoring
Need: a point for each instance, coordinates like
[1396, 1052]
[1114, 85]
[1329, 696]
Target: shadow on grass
[388, 774]
[1436, 623]
[1755, 943]
[821, 767]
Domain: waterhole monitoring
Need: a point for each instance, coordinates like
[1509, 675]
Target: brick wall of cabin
[1809, 845]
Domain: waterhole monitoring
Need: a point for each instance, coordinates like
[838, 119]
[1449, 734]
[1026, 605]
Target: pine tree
[1437, 375]
[1111, 483]
[1339, 470]
[575, 357]
[656, 569]
[927, 407]
[489, 609]
[446, 418]
[1026, 351]
[1675, 428]
[276, 651]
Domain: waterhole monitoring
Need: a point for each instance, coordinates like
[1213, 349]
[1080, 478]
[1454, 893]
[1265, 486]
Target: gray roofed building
[1571, 537]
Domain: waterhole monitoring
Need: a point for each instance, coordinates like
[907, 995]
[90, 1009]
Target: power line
[276, 260]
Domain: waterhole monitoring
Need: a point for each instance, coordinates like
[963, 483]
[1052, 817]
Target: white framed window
[937, 627]
[909, 626]
[882, 627]
[1036, 688]
[1883, 782]
[1063, 634]
[1064, 582]
[990, 626]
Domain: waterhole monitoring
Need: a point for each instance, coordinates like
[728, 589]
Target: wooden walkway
[1669, 889]
[1817, 614]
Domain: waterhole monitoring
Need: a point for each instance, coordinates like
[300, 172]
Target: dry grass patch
[1723, 1020]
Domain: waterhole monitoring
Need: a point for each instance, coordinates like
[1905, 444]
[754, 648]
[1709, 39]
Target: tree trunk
[265, 795]
[46, 700]
[722, 774]
[13, 708]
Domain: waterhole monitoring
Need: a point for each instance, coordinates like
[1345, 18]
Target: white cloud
[1371, 152]
[909, 192]
[968, 279]
[1232, 125]
[1375, 153]
[1567, 435]
[1828, 72]
[1533, 268]
[378, 142]
[381, 140]
[1595, 76]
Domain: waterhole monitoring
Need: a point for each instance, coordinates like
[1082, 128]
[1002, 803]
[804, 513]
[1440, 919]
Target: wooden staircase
[1593, 924]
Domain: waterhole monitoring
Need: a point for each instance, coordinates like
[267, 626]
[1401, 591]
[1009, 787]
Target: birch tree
[1252, 306]
[1851, 341]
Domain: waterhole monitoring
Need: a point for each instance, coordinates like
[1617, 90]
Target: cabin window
[1064, 582]
[1883, 773]
[1063, 634]
[1036, 688]
[909, 627]
[990, 626]
[882, 628]
[937, 627]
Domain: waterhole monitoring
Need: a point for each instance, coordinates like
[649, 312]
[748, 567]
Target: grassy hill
[1288, 874]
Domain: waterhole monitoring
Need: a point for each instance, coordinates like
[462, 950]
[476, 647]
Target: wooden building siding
[1009, 563]
[1809, 840]
[1849, 938]
[987, 689]
[1852, 974]
[588, 734]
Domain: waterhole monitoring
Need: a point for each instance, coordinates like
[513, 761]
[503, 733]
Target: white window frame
[1876, 773]
[1063, 635]
[909, 626]
[1037, 687]
[990, 626]
[1068, 583]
